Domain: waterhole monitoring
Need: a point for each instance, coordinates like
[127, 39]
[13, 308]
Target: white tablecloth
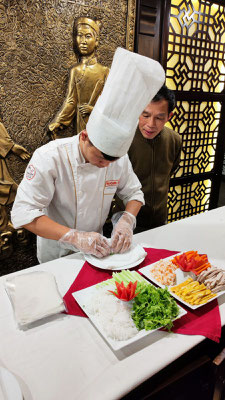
[66, 358]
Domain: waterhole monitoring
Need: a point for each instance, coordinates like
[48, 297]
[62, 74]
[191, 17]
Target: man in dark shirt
[155, 155]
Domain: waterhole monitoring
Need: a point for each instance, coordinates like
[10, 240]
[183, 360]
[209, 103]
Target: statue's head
[85, 36]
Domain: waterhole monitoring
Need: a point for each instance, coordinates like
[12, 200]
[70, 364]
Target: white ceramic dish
[83, 296]
[146, 271]
[117, 262]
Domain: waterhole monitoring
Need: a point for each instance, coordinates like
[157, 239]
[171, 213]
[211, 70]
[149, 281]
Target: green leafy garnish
[153, 308]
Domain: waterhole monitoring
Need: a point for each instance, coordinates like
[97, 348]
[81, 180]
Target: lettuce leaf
[154, 308]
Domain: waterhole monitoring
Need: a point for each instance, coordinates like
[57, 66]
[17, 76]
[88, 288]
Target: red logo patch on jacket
[30, 172]
[112, 183]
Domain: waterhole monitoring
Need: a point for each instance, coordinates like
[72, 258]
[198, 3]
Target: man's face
[153, 118]
[86, 40]
[91, 153]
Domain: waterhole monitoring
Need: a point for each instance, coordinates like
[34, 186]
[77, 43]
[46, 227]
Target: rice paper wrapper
[130, 257]
[34, 296]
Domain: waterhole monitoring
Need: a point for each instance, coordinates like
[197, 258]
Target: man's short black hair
[109, 158]
[106, 156]
[166, 94]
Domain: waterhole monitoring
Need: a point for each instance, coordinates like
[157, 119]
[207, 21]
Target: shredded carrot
[206, 265]
[191, 252]
[200, 270]
[192, 258]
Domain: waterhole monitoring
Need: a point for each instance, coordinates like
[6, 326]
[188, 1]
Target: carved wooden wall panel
[36, 53]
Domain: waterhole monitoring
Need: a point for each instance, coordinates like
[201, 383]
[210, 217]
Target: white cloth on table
[9, 387]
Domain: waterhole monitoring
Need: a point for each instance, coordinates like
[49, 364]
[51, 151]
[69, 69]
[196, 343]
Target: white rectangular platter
[146, 271]
[83, 296]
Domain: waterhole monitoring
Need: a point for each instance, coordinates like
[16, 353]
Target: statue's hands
[85, 109]
[53, 130]
[21, 152]
[54, 127]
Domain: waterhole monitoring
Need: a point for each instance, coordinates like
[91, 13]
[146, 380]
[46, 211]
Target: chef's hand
[87, 242]
[122, 234]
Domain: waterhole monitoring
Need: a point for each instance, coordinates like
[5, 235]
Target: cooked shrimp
[164, 272]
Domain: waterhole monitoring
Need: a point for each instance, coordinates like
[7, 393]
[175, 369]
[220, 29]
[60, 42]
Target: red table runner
[203, 321]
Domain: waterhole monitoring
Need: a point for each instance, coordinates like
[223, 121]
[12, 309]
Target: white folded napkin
[125, 260]
[34, 296]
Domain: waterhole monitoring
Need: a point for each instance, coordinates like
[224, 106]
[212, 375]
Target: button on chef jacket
[60, 184]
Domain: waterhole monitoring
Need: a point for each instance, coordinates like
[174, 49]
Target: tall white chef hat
[132, 83]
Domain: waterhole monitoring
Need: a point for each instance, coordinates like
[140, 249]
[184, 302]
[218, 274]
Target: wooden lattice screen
[188, 38]
[196, 71]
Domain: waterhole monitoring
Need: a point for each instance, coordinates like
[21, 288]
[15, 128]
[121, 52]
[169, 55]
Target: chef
[68, 186]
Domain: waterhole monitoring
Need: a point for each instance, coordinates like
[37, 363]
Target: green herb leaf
[153, 308]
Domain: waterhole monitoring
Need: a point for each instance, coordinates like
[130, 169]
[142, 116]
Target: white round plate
[117, 262]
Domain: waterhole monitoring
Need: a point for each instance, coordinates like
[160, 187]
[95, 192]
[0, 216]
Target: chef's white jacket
[60, 184]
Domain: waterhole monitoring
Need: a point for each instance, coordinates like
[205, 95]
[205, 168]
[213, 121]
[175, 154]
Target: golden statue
[87, 78]
[8, 186]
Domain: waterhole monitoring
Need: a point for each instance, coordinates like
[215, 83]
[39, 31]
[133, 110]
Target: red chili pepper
[119, 288]
[125, 293]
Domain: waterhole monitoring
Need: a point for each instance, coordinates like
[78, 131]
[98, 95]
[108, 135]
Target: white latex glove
[122, 234]
[87, 242]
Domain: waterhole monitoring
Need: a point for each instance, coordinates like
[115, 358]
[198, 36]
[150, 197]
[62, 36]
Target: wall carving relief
[36, 55]
[8, 189]
[7, 185]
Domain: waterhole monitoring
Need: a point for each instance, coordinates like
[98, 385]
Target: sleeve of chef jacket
[129, 187]
[35, 191]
